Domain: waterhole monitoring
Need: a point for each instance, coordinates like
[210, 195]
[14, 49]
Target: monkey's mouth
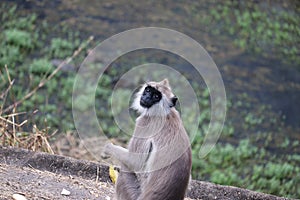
[144, 104]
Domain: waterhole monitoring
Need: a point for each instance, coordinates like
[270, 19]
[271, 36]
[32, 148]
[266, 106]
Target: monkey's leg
[128, 186]
[132, 161]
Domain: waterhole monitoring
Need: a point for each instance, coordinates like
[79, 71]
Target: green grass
[257, 29]
[245, 166]
[28, 54]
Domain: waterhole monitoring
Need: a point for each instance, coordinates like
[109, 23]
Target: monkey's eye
[156, 96]
[147, 89]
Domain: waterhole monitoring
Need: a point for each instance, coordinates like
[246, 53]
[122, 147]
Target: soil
[37, 175]
[37, 184]
[44, 176]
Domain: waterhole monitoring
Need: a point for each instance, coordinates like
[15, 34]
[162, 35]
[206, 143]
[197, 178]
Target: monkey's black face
[150, 97]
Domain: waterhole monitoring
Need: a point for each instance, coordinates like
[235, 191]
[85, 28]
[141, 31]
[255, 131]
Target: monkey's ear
[165, 82]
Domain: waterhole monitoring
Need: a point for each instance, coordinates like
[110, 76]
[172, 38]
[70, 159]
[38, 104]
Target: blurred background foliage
[257, 149]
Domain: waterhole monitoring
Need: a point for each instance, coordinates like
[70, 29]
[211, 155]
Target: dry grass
[11, 128]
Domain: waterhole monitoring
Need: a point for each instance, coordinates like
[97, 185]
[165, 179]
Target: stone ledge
[91, 170]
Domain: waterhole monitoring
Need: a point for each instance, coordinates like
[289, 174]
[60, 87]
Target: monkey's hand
[106, 153]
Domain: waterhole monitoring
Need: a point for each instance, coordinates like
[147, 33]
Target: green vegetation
[269, 32]
[244, 166]
[61, 48]
[29, 53]
[249, 163]
[25, 49]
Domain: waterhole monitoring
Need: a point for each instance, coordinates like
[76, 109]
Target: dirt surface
[43, 176]
[36, 184]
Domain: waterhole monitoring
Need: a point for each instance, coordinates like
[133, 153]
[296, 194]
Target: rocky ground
[35, 175]
[37, 184]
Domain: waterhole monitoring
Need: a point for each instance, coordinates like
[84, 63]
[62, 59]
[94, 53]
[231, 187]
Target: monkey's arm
[133, 161]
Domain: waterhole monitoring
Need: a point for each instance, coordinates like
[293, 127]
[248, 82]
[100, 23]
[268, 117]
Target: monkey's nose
[174, 100]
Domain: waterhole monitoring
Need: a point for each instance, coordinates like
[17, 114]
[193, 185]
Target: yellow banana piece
[113, 174]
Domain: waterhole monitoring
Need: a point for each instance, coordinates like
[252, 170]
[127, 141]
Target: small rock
[19, 197]
[65, 192]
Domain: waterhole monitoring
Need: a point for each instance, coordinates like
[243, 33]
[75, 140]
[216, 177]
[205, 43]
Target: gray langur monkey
[157, 163]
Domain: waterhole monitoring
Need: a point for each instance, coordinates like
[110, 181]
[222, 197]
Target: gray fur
[157, 164]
